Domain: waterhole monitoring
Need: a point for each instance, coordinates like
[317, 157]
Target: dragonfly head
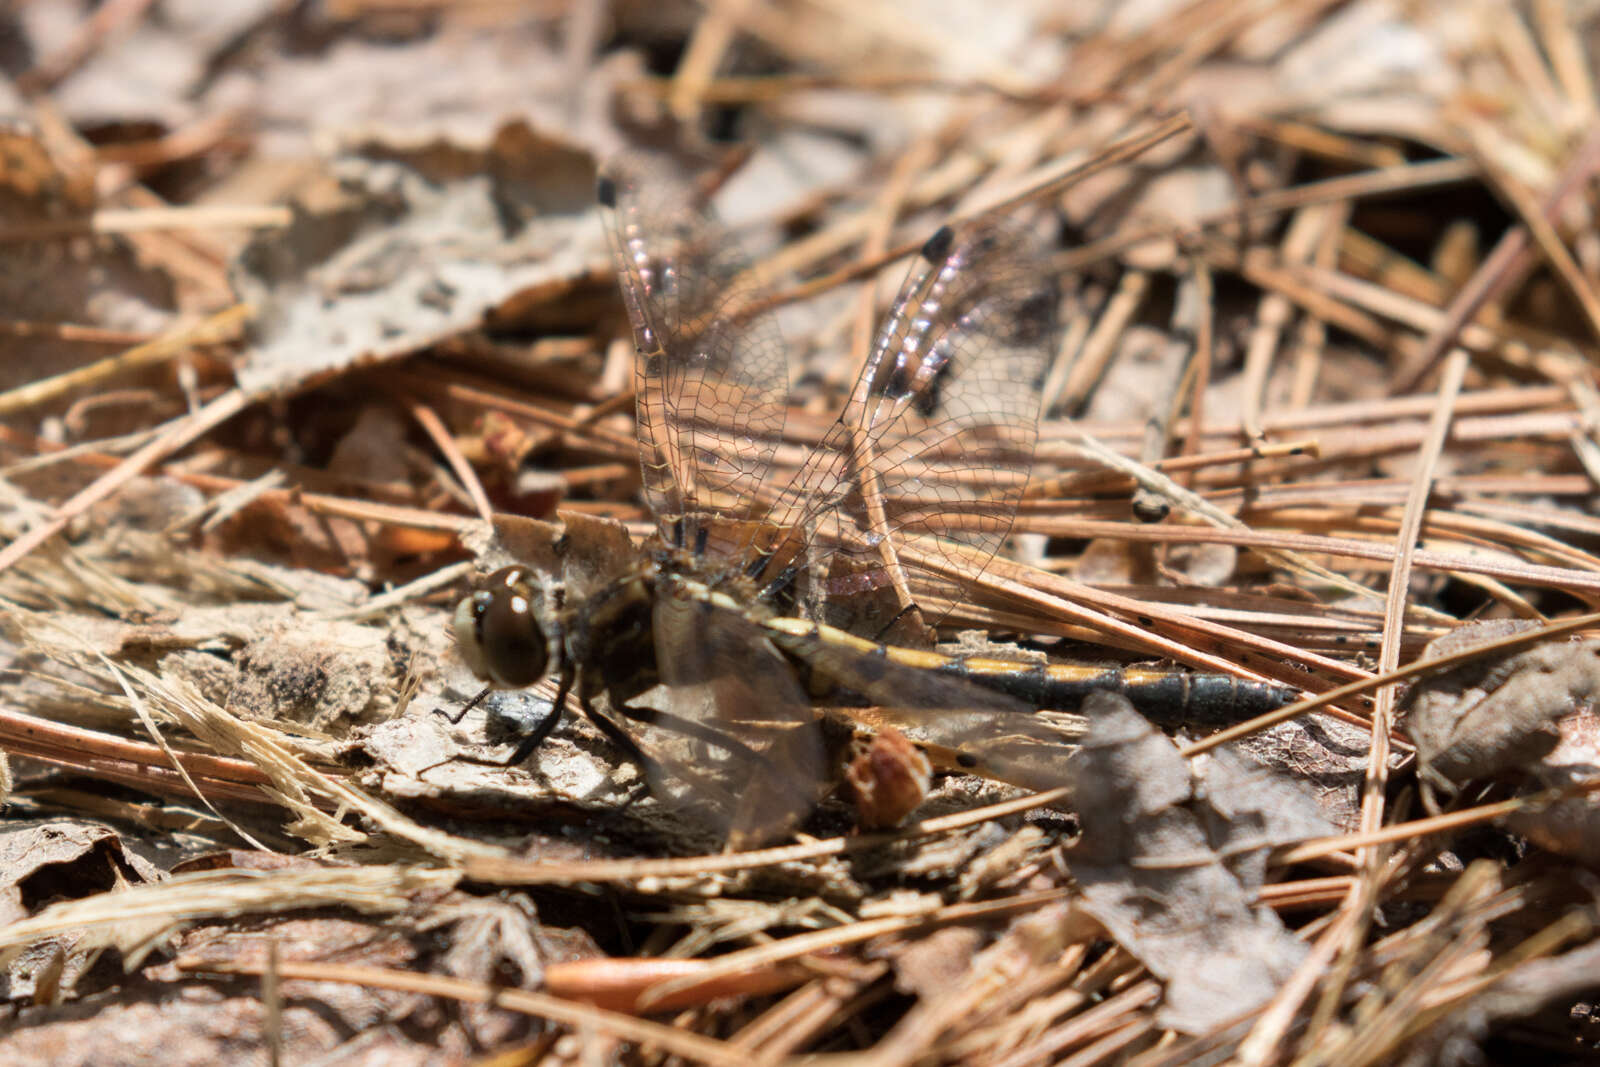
[504, 632]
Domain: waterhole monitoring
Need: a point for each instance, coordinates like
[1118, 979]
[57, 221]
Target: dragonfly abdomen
[1167, 696]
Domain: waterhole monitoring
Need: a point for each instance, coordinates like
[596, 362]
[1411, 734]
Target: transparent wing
[737, 739]
[932, 452]
[983, 732]
[711, 380]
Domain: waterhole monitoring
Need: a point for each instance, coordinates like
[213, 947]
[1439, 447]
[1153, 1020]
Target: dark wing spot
[938, 246]
[930, 396]
[896, 387]
[605, 191]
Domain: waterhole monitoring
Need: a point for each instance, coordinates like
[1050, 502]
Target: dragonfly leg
[455, 720]
[665, 720]
[529, 742]
[546, 725]
[616, 734]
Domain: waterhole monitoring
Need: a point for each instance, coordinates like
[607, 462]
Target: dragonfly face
[902, 504]
[503, 631]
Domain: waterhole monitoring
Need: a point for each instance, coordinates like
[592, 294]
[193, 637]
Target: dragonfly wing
[739, 740]
[711, 379]
[933, 450]
[980, 731]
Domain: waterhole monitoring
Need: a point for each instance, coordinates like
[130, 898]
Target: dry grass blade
[139, 917]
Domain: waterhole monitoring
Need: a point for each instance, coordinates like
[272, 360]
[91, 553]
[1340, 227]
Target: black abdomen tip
[605, 191]
[938, 246]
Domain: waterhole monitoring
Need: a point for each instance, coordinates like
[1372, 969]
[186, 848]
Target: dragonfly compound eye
[499, 632]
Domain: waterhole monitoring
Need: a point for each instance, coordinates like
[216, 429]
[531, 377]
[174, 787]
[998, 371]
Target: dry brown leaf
[1168, 893]
[390, 257]
[1497, 715]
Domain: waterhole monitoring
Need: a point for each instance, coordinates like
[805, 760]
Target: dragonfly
[711, 645]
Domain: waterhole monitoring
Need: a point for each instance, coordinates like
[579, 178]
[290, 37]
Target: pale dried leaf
[1499, 714]
[1152, 877]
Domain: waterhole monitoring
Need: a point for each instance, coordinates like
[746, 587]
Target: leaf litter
[231, 552]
